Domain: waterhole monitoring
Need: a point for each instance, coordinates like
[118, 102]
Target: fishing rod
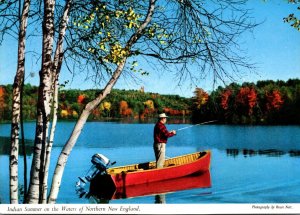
[202, 123]
[196, 125]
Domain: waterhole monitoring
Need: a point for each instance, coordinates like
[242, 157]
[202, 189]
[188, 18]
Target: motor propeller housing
[100, 164]
[100, 161]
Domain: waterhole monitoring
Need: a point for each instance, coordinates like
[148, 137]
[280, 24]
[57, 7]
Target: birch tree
[57, 63]
[107, 39]
[43, 105]
[17, 90]
[16, 111]
[292, 18]
[47, 98]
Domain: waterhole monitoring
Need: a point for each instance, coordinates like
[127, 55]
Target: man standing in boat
[161, 135]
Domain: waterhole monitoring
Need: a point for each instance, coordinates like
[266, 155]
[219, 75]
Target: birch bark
[43, 106]
[58, 58]
[16, 110]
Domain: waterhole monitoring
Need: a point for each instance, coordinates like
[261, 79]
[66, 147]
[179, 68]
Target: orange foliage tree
[225, 98]
[172, 112]
[246, 99]
[274, 100]
[2, 102]
[2, 99]
[81, 99]
[124, 109]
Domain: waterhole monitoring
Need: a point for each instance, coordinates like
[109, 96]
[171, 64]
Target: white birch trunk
[37, 174]
[49, 144]
[16, 110]
[62, 160]
[56, 70]
[43, 106]
[14, 151]
[63, 157]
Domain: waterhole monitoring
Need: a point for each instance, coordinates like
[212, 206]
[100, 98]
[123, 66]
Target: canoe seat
[144, 166]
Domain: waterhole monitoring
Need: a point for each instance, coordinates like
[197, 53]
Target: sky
[273, 45]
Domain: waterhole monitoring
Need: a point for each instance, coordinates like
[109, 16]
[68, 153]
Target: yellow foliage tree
[64, 113]
[105, 106]
[74, 114]
[150, 104]
[200, 98]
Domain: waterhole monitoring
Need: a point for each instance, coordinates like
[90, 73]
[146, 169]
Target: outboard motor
[100, 164]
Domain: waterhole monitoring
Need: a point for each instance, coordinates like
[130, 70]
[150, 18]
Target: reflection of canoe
[146, 172]
[201, 180]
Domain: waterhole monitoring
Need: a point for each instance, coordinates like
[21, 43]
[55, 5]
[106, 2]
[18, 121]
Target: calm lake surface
[250, 164]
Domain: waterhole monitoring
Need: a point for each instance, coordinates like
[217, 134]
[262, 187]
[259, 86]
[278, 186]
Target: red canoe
[146, 172]
[201, 180]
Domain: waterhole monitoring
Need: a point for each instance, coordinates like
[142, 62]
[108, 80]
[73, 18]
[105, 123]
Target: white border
[268, 208]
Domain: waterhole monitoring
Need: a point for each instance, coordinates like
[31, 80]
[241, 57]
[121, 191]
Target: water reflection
[160, 199]
[5, 146]
[266, 152]
[294, 153]
[102, 193]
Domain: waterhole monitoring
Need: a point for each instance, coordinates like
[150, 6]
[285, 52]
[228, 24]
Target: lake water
[250, 164]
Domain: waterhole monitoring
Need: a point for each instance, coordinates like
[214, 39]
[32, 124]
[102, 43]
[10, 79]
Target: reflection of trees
[294, 153]
[232, 152]
[5, 146]
[267, 152]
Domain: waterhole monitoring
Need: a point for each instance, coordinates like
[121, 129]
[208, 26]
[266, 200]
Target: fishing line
[196, 125]
[202, 123]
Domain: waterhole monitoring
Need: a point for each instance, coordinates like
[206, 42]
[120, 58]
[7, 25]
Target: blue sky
[273, 45]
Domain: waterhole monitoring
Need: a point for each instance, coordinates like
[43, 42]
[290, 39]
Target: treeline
[135, 104]
[266, 102]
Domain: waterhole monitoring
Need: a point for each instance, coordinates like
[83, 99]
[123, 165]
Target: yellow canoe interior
[171, 162]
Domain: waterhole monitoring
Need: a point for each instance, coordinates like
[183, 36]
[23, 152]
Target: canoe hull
[201, 180]
[103, 191]
[147, 176]
[146, 173]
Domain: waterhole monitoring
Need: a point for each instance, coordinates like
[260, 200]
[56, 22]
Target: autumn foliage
[225, 98]
[246, 99]
[122, 104]
[274, 100]
[124, 109]
[80, 99]
[266, 102]
[172, 112]
[2, 99]
[200, 98]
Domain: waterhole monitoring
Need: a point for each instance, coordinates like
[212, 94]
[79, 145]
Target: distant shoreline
[263, 103]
